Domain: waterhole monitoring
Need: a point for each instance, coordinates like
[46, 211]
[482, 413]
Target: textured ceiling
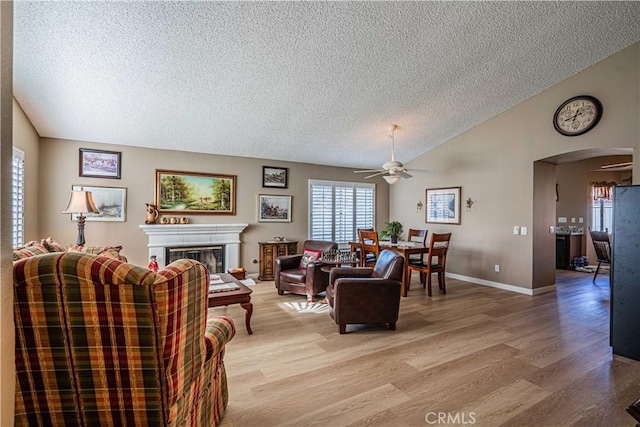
[316, 82]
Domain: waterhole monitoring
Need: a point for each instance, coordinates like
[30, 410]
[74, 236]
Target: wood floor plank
[512, 359]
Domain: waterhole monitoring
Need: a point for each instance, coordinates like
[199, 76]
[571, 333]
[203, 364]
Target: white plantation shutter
[338, 209]
[17, 197]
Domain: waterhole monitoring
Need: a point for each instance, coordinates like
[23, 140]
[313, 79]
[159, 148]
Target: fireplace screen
[211, 256]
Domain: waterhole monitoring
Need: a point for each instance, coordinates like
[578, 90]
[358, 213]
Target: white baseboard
[503, 286]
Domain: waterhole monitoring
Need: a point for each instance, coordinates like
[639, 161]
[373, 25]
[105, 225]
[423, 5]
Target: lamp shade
[391, 179]
[81, 202]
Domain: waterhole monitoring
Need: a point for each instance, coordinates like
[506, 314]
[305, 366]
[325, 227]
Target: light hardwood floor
[486, 356]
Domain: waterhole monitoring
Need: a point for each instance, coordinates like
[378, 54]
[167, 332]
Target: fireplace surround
[163, 236]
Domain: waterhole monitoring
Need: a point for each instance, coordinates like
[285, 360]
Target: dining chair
[418, 236]
[602, 245]
[438, 248]
[370, 247]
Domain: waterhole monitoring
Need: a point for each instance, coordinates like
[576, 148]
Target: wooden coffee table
[240, 296]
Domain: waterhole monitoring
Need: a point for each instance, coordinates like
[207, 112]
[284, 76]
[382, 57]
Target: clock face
[577, 115]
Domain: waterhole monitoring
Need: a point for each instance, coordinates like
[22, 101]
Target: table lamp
[81, 202]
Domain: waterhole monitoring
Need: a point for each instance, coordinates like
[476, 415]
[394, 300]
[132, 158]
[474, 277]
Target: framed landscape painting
[195, 193]
[273, 208]
[99, 163]
[443, 205]
[110, 201]
[274, 177]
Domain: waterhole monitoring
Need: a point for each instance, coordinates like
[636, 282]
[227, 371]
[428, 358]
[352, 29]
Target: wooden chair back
[370, 247]
[418, 236]
[602, 245]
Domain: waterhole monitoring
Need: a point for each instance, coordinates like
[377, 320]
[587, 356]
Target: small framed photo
[443, 205]
[110, 201]
[274, 177]
[100, 163]
[273, 208]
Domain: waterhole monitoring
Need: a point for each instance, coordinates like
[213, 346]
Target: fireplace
[211, 256]
[186, 236]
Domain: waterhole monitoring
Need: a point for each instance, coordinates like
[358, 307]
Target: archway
[568, 200]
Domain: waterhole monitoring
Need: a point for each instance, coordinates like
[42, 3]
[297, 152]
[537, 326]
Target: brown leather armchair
[367, 294]
[310, 281]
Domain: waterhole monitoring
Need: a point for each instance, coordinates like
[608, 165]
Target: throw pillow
[52, 245]
[309, 255]
[29, 251]
[108, 251]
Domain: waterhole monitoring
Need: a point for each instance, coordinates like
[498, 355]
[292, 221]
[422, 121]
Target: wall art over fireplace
[195, 193]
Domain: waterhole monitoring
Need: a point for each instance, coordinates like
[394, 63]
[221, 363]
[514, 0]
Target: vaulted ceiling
[316, 82]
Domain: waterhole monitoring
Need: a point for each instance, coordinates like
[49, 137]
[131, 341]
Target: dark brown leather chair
[367, 294]
[309, 281]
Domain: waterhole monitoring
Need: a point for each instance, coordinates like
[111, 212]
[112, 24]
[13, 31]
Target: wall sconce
[469, 203]
[419, 206]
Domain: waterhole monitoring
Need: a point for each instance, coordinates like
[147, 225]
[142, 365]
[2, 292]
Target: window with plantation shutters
[17, 197]
[338, 209]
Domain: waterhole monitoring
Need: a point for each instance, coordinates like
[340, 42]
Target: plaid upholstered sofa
[100, 342]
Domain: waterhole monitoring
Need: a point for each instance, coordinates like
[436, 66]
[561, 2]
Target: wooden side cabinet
[269, 251]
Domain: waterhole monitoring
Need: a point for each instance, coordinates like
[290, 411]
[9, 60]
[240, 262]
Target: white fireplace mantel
[163, 236]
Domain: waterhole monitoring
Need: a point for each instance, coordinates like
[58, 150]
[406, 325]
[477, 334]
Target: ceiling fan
[392, 170]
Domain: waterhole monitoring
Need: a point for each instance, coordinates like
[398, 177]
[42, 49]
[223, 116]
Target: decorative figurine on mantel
[152, 214]
[153, 264]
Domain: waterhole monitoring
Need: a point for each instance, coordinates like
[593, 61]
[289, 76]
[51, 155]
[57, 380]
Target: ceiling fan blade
[369, 171]
[375, 174]
[419, 170]
[617, 165]
[404, 174]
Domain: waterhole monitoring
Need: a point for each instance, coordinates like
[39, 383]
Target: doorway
[575, 210]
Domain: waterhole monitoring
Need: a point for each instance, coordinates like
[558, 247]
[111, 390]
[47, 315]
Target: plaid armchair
[102, 342]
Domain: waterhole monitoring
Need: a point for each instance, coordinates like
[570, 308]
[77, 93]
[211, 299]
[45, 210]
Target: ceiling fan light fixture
[391, 179]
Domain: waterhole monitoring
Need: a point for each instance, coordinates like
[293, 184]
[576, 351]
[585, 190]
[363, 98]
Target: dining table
[403, 248]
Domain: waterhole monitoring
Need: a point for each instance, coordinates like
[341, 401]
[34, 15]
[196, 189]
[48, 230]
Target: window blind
[17, 197]
[338, 209]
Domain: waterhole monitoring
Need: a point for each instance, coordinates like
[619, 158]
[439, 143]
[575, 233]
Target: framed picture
[443, 205]
[195, 193]
[274, 177]
[110, 201]
[100, 163]
[273, 208]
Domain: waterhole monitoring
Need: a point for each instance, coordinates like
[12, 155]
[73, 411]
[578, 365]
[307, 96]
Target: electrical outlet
[552, 229]
[573, 220]
[581, 220]
[516, 230]
[523, 231]
[497, 268]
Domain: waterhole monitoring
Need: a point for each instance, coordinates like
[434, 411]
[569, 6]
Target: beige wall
[59, 170]
[26, 139]
[494, 162]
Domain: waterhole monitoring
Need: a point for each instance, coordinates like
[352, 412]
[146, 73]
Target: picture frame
[274, 177]
[110, 201]
[274, 208]
[443, 205]
[99, 163]
[178, 192]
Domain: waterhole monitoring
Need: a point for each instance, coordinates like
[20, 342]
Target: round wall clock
[577, 115]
